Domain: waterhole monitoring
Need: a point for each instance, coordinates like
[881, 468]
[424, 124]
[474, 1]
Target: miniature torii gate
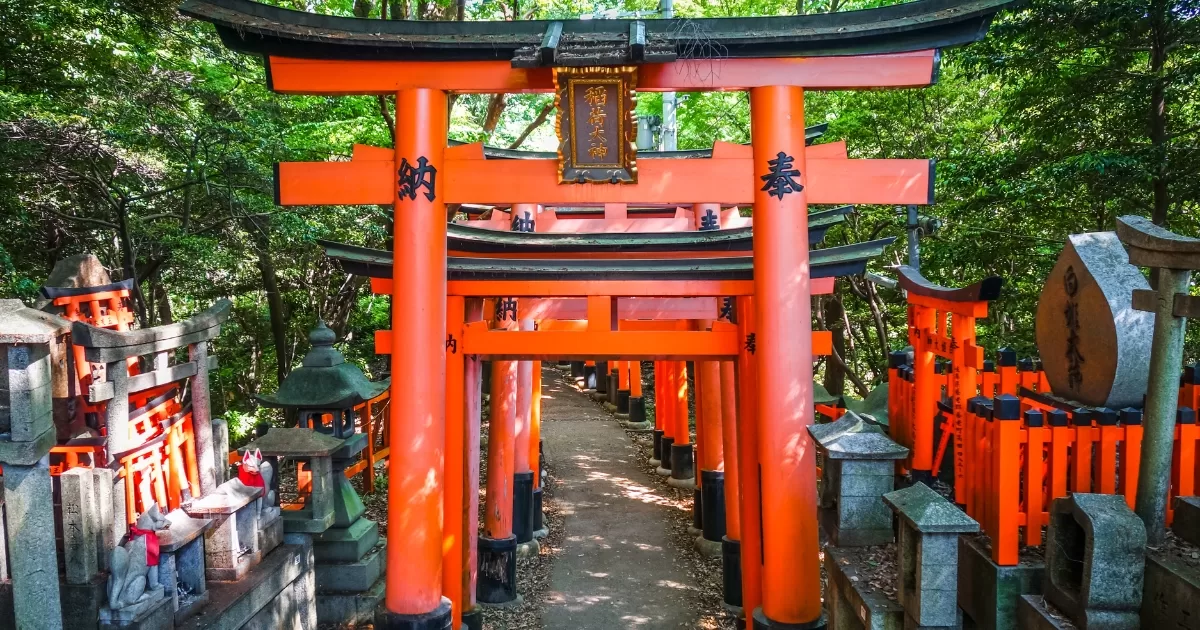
[776, 59]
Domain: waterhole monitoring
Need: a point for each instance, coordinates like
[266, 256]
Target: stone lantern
[349, 555]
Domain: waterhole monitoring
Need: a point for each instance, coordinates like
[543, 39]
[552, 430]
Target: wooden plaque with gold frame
[597, 124]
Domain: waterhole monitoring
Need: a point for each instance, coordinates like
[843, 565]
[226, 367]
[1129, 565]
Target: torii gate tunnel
[776, 59]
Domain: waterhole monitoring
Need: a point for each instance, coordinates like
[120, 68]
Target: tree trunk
[270, 283]
[835, 373]
[1158, 111]
[129, 262]
[362, 8]
[399, 10]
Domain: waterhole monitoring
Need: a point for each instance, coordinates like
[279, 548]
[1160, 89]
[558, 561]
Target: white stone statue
[133, 576]
[256, 473]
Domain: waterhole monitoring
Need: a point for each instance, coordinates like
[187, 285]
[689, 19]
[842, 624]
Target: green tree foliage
[130, 132]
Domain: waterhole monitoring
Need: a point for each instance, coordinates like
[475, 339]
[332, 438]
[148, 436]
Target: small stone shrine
[927, 556]
[1095, 561]
[859, 469]
[1094, 344]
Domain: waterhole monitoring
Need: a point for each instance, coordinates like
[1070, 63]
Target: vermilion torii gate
[775, 59]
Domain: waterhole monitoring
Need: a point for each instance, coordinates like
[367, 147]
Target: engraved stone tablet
[1094, 345]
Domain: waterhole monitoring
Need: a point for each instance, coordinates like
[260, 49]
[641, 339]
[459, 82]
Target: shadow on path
[616, 569]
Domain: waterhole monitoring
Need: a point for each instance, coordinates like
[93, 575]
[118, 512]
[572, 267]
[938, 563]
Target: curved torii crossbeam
[929, 307]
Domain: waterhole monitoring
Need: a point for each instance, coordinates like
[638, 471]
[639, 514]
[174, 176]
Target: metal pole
[1162, 397]
[914, 247]
[668, 100]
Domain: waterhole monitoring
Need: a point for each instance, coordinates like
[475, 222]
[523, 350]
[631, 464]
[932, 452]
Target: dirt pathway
[618, 567]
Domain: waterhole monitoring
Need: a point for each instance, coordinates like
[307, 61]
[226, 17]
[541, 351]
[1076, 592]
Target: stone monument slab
[1094, 345]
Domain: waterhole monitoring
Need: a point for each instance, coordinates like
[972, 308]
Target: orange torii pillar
[731, 569]
[535, 451]
[750, 508]
[454, 568]
[660, 413]
[471, 616]
[683, 467]
[417, 423]
[791, 596]
[498, 545]
[522, 446]
[711, 453]
[667, 407]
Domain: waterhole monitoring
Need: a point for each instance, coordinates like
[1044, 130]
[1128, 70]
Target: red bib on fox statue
[248, 472]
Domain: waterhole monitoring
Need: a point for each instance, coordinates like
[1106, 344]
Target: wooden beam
[715, 180]
[615, 288]
[636, 340]
[657, 345]
[332, 77]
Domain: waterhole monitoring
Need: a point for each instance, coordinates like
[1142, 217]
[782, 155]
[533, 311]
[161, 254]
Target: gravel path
[619, 567]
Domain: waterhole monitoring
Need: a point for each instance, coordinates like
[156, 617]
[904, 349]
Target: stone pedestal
[1187, 519]
[853, 603]
[859, 469]
[987, 592]
[181, 568]
[350, 566]
[927, 556]
[1095, 560]
[231, 541]
[154, 615]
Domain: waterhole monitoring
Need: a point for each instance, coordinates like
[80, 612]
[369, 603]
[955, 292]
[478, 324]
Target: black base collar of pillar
[683, 464]
[614, 382]
[623, 401]
[637, 410]
[439, 619]
[698, 509]
[523, 506]
[602, 377]
[712, 484]
[497, 583]
[731, 571]
[667, 446]
[473, 619]
[762, 623]
[576, 369]
[658, 438]
[538, 523]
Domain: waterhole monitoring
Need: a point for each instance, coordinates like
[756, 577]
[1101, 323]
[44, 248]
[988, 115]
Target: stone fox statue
[256, 473]
[133, 577]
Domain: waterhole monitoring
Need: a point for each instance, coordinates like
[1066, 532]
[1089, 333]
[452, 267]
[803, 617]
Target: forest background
[130, 132]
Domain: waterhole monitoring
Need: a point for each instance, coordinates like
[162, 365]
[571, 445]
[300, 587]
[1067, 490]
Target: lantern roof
[324, 380]
[256, 28]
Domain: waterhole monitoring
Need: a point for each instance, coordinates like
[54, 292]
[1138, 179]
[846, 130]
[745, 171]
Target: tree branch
[537, 122]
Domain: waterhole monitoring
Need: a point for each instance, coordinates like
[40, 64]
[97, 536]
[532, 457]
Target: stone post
[1173, 257]
[206, 456]
[80, 525]
[927, 556]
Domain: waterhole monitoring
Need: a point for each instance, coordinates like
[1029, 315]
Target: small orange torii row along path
[886, 47]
